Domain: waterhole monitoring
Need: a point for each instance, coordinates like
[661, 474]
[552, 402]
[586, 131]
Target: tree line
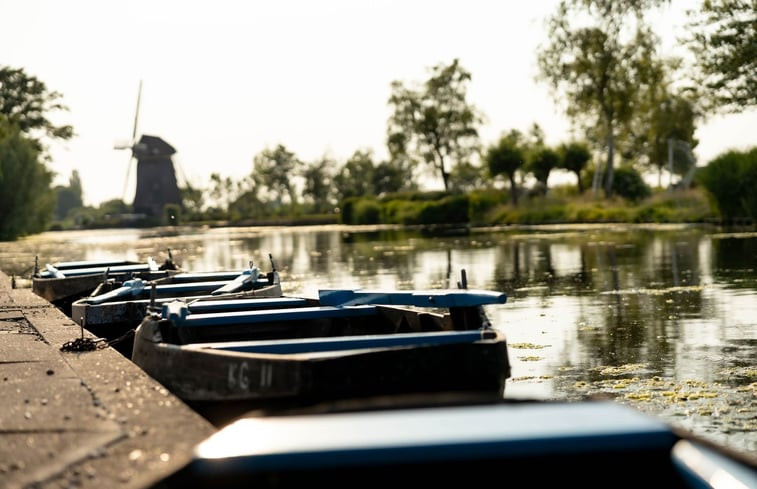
[633, 110]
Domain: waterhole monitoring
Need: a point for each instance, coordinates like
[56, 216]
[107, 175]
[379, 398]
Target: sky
[223, 80]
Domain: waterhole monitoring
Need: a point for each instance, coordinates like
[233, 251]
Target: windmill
[156, 177]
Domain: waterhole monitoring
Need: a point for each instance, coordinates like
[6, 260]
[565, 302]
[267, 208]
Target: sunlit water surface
[662, 318]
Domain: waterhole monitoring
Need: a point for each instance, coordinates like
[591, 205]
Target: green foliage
[356, 177]
[629, 184]
[114, 207]
[347, 210]
[506, 157]
[731, 180]
[25, 102]
[670, 125]
[68, 198]
[408, 210]
[26, 199]
[678, 206]
[723, 40]
[416, 195]
[367, 211]
[435, 124]
[360, 210]
[400, 211]
[482, 202]
[466, 177]
[541, 164]
[192, 202]
[452, 209]
[574, 157]
[273, 170]
[599, 60]
[318, 184]
[542, 213]
[393, 176]
[247, 206]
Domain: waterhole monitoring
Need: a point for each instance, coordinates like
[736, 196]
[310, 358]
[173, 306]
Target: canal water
[663, 318]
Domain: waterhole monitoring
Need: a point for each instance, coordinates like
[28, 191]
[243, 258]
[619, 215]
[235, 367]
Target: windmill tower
[156, 176]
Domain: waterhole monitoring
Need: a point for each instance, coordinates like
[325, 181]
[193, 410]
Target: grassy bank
[559, 206]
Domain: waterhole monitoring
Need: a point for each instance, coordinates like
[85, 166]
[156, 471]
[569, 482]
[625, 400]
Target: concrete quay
[81, 419]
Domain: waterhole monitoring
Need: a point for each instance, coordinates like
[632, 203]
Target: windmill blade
[126, 180]
[136, 115]
[133, 141]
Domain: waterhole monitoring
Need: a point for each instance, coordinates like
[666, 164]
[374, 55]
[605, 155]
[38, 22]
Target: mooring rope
[81, 343]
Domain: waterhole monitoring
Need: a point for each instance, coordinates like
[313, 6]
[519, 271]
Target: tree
[26, 199]
[114, 206]
[467, 176]
[70, 197]
[26, 102]
[274, 169]
[730, 179]
[355, 177]
[671, 122]
[599, 69]
[221, 191]
[723, 39]
[435, 124]
[192, 201]
[574, 157]
[318, 184]
[393, 176]
[248, 205]
[541, 163]
[506, 158]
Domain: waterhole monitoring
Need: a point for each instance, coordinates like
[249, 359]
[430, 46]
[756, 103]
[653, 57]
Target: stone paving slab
[88, 419]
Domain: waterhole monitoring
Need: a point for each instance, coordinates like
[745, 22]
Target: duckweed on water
[709, 408]
[526, 378]
[620, 370]
[527, 346]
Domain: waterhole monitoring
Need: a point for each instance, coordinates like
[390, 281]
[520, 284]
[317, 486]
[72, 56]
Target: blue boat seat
[206, 306]
[341, 343]
[181, 316]
[448, 298]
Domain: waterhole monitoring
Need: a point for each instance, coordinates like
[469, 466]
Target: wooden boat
[114, 309]
[347, 343]
[110, 305]
[591, 444]
[64, 282]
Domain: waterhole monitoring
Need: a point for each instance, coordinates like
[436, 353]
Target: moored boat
[592, 443]
[115, 308]
[345, 344]
[63, 283]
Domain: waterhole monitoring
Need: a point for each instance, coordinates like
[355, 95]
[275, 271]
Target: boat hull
[202, 375]
[63, 292]
[591, 444]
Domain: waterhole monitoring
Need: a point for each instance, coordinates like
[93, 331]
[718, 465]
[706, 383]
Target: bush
[360, 210]
[415, 195]
[482, 203]
[400, 212]
[452, 209]
[731, 179]
[628, 183]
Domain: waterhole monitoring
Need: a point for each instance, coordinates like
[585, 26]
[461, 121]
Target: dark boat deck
[81, 419]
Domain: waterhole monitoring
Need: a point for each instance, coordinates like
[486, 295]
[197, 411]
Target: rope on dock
[83, 344]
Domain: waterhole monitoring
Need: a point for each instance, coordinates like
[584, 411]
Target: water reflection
[664, 318]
